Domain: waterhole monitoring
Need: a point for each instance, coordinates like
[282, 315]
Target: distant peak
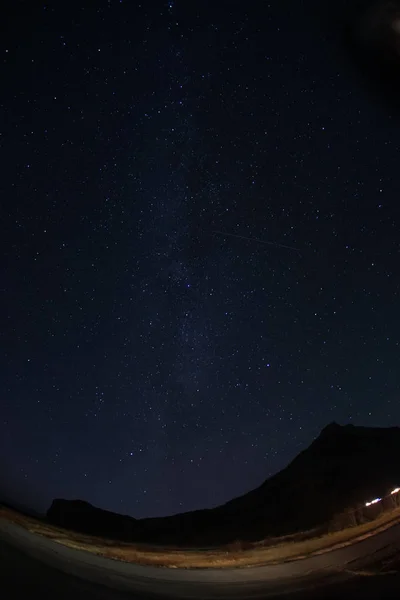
[331, 427]
[334, 429]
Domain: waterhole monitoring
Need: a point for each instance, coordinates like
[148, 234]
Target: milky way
[200, 241]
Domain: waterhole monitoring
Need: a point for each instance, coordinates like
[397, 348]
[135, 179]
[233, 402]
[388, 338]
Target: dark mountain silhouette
[341, 469]
[82, 516]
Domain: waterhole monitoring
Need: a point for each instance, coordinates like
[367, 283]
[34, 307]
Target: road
[30, 563]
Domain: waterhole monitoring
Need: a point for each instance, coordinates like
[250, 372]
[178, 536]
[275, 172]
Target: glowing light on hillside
[373, 501]
[395, 491]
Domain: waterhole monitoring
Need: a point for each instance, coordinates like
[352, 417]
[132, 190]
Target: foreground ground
[269, 551]
[30, 563]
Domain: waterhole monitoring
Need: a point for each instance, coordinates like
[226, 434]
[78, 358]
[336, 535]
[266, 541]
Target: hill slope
[342, 468]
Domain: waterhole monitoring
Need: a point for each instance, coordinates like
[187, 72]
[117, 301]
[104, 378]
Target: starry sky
[200, 247]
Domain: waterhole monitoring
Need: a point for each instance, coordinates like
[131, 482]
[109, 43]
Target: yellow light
[395, 491]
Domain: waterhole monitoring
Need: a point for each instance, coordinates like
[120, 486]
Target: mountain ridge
[342, 468]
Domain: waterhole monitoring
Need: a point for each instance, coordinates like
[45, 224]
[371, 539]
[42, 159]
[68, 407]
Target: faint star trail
[250, 239]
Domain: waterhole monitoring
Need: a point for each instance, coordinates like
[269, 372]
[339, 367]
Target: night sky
[200, 248]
